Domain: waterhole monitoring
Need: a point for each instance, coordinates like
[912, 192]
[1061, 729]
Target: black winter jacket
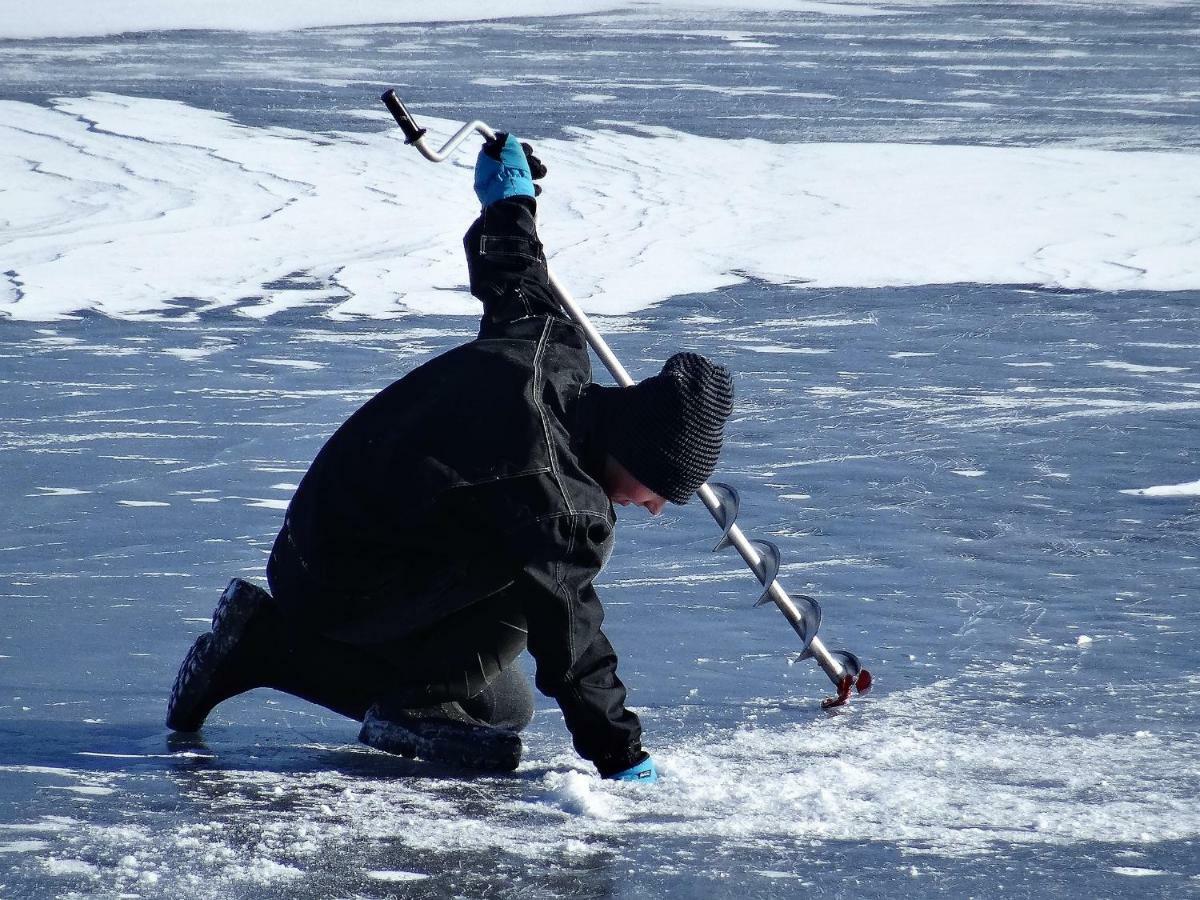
[473, 474]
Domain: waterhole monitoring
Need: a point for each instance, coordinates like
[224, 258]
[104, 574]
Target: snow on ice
[119, 204]
[79, 18]
[1189, 489]
[944, 454]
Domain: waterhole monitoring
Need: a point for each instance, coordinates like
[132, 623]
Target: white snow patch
[106, 198]
[269, 503]
[779, 348]
[1188, 489]
[143, 503]
[81, 18]
[291, 363]
[90, 790]
[1083, 640]
[593, 98]
[906, 354]
[1137, 369]
[192, 354]
[395, 875]
[58, 492]
[48, 824]
[1136, 871]
[22, 846]
[969, 473]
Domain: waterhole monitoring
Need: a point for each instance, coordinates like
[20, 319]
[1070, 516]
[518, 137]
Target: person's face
[623, 489]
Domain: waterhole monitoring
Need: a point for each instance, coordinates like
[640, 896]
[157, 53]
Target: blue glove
[643, 771]
[506, 168]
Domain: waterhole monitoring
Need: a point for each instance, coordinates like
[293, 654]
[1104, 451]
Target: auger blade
[848, 660]
[767, 569]
[731, 502]
[810, 615]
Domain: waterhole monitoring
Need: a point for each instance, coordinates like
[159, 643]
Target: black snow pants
[468, 657]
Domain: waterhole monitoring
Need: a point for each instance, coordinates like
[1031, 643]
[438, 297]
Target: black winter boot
[205, 677]
[444, 734]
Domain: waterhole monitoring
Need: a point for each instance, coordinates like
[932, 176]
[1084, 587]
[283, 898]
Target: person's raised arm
[505, 260]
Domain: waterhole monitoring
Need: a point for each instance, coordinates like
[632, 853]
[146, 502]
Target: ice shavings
[70, 867]
[581, 794]
[107, 198]
[911, 772]
[1188, 489]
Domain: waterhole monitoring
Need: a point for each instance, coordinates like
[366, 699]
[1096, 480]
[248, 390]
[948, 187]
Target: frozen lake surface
[991, 487]
[943, 468]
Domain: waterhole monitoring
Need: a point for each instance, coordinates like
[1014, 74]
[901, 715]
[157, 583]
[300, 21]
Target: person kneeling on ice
[460, 517]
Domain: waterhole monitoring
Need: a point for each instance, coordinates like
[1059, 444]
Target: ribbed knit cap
[667, 429]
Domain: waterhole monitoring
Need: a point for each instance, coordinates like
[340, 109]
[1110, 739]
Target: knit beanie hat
[666, 430]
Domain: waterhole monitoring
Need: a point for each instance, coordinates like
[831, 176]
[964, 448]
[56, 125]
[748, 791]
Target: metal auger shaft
[828, 663]
[844, 675]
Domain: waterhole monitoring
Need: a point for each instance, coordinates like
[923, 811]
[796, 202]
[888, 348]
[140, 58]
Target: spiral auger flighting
[802, 612]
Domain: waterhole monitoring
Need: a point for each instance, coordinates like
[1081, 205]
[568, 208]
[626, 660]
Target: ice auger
[802, 612]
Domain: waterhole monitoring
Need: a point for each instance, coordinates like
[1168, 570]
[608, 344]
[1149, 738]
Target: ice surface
[1014, 618]
[941, 464]
[110, 197]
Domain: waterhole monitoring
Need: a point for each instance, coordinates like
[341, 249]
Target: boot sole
[443, 741]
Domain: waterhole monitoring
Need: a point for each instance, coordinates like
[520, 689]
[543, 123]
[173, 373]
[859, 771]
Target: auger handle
[412, 132]
[415, 135]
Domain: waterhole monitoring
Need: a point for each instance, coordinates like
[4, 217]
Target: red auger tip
[843, 693]
[861, 683]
